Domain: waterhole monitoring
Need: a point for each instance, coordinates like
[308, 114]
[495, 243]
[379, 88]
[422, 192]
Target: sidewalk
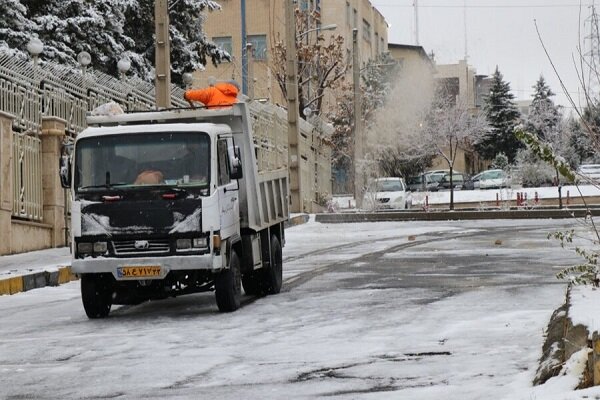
[26, 271]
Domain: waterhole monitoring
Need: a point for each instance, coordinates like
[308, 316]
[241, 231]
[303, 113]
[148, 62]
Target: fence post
[53, 133]
[6, 182]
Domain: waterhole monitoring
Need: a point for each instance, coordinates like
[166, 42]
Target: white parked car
[490, 179]
[386, 193]
[590, 171]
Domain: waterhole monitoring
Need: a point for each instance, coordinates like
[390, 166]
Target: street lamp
[123, 66]
[188, 80]
[84, 59]
[329, 27]
[35, 48]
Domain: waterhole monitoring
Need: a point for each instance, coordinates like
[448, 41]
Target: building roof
[418, 49]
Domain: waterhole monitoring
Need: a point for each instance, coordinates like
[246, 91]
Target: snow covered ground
[481, 196]
[369, 312]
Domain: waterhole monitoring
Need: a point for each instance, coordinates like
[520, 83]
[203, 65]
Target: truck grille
[141, 247]
[384, 200]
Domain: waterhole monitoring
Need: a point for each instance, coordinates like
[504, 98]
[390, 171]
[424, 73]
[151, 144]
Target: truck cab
[170, 202]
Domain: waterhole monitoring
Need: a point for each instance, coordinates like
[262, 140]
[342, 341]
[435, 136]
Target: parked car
[590, 172]
[490, 179]
[386, 193]
[435, 177]
[458, 181]
[421, 183]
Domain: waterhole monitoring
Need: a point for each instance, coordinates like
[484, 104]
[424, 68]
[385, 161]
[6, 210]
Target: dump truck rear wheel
[274, 273]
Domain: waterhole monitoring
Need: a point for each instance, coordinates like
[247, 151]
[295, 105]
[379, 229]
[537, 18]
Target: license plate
[146, 271]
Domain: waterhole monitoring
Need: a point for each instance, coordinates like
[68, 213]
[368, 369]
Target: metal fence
[269, 124]
[27, 177]
[31, 91]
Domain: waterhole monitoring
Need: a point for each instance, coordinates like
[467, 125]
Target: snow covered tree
[14, 25]
[500, 161]
[544, 116]
[447, 126]
[109, 30]
[580, 145]
[502, 116]
[190, 48]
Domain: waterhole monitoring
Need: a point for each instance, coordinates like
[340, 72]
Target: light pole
[35, 48]
[163, 54]
[329, 27]
[84, 59]
[358, 129]
[291, 78]
[188, 80]
[123, 66]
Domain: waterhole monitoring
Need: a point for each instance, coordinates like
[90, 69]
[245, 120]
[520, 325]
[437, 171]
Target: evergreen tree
[15, 27]
[109, 30]
[502, 116]
[544, 116]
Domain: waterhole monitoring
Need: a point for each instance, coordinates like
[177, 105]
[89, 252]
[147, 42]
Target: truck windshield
[142, 159]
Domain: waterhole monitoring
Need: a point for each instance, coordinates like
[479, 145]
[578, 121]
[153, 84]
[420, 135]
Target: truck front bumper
[145, 267]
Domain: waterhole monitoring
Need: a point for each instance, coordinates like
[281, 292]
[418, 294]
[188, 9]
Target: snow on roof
[207, 127]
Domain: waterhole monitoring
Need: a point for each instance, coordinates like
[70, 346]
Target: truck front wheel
[96, 294]
[228, 286]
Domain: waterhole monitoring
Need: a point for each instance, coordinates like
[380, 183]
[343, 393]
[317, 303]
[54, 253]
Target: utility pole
[291, 77]
[250, 78]
[163, 54]
[416, 5]
[358, 129]
[244, 49]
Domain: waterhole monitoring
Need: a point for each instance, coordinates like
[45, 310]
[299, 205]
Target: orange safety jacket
[222, 94]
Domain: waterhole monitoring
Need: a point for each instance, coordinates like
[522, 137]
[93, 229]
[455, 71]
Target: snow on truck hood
[151, 128]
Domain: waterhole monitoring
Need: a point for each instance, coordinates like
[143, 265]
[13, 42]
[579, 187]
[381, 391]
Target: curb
[297, 220]
[36, 280]
[454, 215]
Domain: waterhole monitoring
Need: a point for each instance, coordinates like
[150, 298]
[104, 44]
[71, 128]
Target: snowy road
[366, 312]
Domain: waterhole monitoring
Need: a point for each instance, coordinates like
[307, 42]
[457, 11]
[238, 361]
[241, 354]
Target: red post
[536, 199]
[568, 199]
[426, 202]
[497, 200]
[518, 199]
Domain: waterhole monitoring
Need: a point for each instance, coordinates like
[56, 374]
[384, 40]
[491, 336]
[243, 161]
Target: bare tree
[321, 62]
[448, 127]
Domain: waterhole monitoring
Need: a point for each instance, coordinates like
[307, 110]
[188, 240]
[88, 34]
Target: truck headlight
[184, 244]
[100, 247]
[85, 248]
[201, 242]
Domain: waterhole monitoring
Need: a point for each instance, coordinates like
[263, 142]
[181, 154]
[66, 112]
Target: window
[224, 43]
[366, 31]
[259, 46]
[355, 19]
[223, 162]
[377, 49]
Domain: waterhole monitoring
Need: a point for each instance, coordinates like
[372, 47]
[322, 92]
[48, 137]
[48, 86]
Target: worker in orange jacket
[219, 94]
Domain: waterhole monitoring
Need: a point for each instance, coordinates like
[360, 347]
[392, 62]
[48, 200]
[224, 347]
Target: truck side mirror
[65, 171]
[235, 163]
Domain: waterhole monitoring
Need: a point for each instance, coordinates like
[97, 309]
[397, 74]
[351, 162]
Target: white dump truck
[166, 203]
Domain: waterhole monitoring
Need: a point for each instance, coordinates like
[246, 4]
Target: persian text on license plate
[148, 271]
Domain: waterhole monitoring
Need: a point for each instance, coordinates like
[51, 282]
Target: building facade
[265, 25]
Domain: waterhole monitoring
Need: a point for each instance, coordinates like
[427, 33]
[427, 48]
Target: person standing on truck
[216, 95]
